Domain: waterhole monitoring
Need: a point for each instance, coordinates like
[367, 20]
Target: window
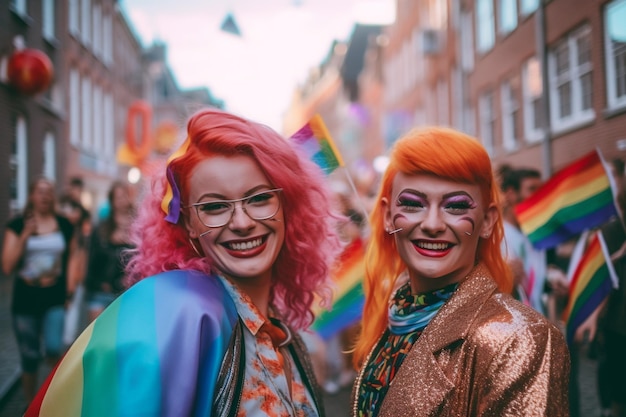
[532, 89]
[74, 101]
[109, 134]
[615, 44]
[97, 120]
[528, 6]
[97, 30]
[18, 167]
[510, 115]
[443, 105]
[49, 156]
[508, 15]
[107, 39]
[570, 81]
[19, 7]
[485, 36]
[47, 28]
[85, 21]
[86, 104]
[72, 10]
[467, 42]
[487, 121]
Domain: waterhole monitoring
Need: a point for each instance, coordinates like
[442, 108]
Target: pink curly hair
[448, 154]
[302, 269]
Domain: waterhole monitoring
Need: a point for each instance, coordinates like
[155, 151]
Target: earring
[393, 232]
[486, 235]
[193, 246]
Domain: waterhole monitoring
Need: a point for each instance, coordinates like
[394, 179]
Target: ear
[491, 217]
[187, 222]
[387, 214]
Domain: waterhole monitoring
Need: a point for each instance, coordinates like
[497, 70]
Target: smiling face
[442, 222]
[244, 250]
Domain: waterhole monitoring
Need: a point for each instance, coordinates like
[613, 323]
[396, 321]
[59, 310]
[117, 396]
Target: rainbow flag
[593, 279]
[315, 140]
[155, 351]
[576, 198]
[348, 298]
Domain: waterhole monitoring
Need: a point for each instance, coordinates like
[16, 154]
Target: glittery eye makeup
[410, 201]
[459, 204]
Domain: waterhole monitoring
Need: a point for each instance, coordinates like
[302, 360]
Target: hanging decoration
[30, 71]
[229, 25]
[132, 152]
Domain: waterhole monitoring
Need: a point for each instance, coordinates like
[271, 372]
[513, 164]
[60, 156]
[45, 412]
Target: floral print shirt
[266, 389]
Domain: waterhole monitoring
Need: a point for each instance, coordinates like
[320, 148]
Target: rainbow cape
[576, 198]
[155, 351]
[315, 140]
[593, 279]
[348, 298]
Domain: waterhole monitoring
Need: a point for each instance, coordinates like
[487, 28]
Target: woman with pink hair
[233, 243]
[443, 335]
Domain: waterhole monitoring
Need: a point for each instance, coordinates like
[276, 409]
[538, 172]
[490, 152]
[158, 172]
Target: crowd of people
[56, 258]
[215, 273]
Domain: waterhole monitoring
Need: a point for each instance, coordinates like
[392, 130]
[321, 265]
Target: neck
[258, 289]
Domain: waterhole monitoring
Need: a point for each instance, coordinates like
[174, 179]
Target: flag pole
[356, 193]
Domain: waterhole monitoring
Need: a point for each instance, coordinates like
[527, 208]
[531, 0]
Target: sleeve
[528, 376]
[16, 225]
[155, 351]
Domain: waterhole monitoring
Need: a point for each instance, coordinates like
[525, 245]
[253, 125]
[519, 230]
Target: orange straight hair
[448, 154]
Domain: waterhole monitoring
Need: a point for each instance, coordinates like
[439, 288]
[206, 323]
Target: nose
[433, 221]
[240, 219]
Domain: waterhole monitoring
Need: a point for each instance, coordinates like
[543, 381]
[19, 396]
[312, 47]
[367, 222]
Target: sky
[256, 73]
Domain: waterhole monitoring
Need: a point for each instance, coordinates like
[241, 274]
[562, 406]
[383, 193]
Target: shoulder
[506, 323]
[16, 224]
[190, 291]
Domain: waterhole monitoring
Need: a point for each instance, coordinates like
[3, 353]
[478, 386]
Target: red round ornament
[30, 71]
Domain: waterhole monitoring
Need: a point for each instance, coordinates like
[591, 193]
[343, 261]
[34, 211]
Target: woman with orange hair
[443, 335]
[233, 244]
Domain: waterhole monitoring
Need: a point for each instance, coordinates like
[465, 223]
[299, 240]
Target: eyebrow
[253, 190]
[447, 195]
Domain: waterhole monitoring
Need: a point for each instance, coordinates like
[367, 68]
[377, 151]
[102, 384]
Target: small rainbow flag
[576, 198]
[348, 298]
[593, 279]
[318, 145]
[155, 351]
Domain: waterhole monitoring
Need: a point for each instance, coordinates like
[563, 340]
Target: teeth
[246, 245]
[433, 246]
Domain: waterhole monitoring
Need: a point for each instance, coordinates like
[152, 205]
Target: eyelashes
[458, 204]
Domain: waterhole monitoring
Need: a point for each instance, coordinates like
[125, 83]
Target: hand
[30, 225]
[588, 329]
[558, 281]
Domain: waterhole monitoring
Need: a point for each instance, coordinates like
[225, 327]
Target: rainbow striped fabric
[576, 198]
[155, 351]
[593, 279]
[348, 298]
[315, 140]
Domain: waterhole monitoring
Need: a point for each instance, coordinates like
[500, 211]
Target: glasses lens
[258, 206]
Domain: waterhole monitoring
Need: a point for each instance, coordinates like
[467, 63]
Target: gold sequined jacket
[483, 354]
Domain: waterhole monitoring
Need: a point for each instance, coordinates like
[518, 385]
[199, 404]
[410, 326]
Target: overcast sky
[255, 74]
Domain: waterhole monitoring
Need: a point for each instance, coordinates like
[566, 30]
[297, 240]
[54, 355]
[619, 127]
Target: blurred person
[444, 336]
[606, 328]
[234, 242]
[108, 251]
[38, 251]
[527, 264]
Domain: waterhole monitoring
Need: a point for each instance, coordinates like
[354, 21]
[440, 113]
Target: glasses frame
[243, 207]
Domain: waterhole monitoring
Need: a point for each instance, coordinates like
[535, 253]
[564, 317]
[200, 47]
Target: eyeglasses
[259, 206]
